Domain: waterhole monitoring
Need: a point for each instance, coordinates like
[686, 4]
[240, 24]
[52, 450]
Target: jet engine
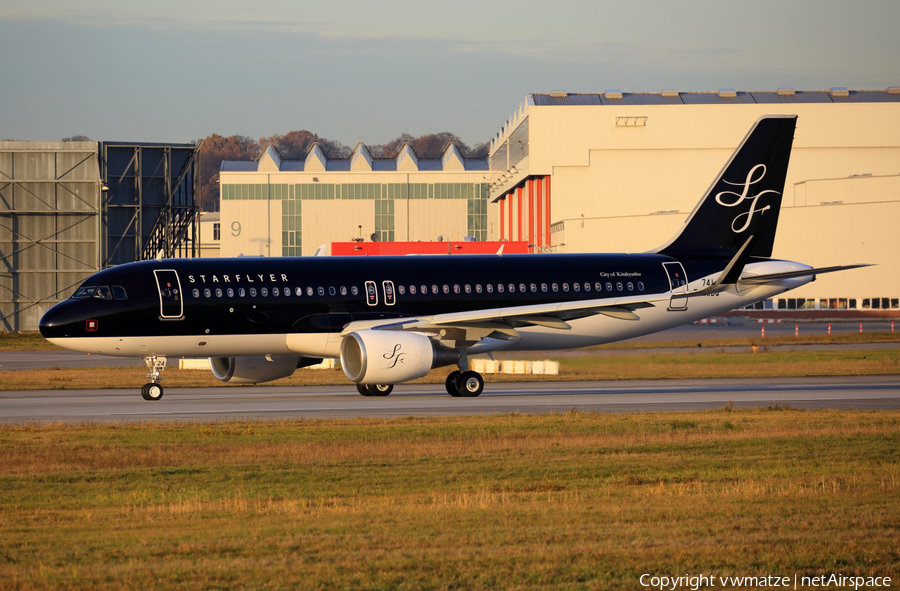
[390, 357]
[253, 370]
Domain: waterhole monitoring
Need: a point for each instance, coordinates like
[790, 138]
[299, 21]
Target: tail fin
[745, 199]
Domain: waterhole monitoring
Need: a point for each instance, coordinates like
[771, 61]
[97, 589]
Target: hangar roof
[723, 97]
[359, 161]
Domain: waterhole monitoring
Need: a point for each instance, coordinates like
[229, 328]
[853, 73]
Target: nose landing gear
[153, 391]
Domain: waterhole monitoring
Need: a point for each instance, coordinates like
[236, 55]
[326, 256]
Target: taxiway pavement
[276, 402]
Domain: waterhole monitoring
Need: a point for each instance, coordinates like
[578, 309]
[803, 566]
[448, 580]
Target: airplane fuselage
[300, 306]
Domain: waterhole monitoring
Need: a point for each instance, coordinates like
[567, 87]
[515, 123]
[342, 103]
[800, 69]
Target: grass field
[564, 501]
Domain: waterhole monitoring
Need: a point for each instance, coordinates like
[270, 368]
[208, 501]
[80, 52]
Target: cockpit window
[103, 293]
[119, 292]
[84, 292]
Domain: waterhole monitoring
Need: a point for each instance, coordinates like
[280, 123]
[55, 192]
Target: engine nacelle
[391, 356]
[253, 370]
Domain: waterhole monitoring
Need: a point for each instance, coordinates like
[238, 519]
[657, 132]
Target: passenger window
[218, 292]
[566, 287]
[587, 286]
[533, 288]
[544, 287]
[576, 286]
[354, 290]
[423, 289]
[468, 288]
[309, 291]
[619, 286]
[598, 286]
[388, 292]
[298, 292]
[446, 288]
[207, 293]
[499, 288]
[371, 293]
[555, 288]
[512, 288]
[608, 286]
[103, 293]
[434, 289]
[630, 286]
[521, 288]
[412, 290]
[640, 286]
[320, 290]
[196, 292]
[477, 288]
[241, 292]
[119, 292]
[84, 292]
[276, 292]
[264, 292]
[490, 288]
[455, 288]
[252, 292]
[230, 292]
[331, 291]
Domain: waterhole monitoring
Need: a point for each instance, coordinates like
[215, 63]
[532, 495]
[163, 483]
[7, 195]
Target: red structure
[531, 220]
[400, 248]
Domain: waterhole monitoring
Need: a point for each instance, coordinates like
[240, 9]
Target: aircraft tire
[363, 389]
[152, 391]
[452, 388]
[381, 389]
[470, 384]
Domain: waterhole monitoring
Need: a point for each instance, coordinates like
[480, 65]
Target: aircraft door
[171, 304]
[678, 284]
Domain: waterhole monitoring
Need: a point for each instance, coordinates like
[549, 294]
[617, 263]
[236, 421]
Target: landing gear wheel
[470, 384]
[452, 389]
[151, 391]
[381, 389]
[374, 389]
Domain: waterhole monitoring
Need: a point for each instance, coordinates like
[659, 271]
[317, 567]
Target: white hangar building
[276, 207]
[620, 172]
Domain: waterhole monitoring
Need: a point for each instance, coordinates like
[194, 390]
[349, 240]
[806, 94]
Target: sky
[351, 71]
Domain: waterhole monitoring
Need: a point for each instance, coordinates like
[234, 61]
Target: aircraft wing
[474, 325]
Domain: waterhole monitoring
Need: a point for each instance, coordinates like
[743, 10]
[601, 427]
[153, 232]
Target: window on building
[217, 231]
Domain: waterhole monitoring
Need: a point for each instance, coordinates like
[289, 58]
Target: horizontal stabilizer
[761, 279]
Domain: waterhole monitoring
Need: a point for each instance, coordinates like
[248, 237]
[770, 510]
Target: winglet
[500, 250]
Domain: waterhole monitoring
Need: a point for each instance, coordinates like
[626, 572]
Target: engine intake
[390, 357]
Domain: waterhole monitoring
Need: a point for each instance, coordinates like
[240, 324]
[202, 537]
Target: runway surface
[271, 403]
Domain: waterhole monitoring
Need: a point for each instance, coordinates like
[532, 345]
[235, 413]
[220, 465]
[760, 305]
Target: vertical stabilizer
[744, 200]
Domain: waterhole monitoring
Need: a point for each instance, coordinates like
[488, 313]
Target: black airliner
[393, 319]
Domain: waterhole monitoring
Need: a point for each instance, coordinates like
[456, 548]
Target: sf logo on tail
[743, 195]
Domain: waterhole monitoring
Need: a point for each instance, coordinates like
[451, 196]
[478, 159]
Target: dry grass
[566, 501]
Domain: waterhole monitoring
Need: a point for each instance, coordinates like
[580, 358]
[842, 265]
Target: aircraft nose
[56, 321]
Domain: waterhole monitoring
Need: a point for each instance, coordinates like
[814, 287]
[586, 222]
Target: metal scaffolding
[149, 209]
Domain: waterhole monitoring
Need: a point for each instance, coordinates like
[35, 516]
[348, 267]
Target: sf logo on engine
[394, 357]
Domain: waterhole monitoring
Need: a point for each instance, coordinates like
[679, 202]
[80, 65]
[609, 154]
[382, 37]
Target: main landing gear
[153, 391]
[374, 389]
[464, 383]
